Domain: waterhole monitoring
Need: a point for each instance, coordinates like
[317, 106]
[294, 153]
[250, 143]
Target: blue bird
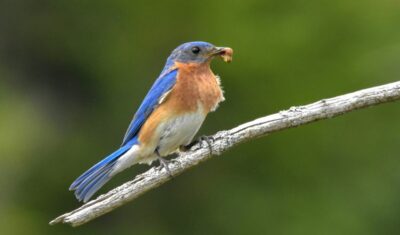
[168, 118]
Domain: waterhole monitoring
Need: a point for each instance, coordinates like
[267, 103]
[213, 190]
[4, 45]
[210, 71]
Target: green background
[72, 74]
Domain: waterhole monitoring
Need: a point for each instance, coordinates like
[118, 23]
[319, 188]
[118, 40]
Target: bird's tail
[93, 179]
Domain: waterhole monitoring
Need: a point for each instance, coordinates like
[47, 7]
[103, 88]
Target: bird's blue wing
[160, 87]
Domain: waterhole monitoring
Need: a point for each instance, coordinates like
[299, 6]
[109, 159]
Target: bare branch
[224, 140]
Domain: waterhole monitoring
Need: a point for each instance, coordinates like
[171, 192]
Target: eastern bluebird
[169, 116]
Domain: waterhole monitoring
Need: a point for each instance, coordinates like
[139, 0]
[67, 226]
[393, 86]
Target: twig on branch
[224, 140]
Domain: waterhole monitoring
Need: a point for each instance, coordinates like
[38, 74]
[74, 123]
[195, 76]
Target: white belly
[179, 131]
[173, 133]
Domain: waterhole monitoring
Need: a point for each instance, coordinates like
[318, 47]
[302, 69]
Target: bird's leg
[205, 138]
[163, 163]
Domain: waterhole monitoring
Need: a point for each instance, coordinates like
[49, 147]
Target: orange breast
[195, 84]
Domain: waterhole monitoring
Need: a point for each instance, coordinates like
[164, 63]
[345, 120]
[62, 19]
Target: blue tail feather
[93, 179]
[90, 178]
[95, 184]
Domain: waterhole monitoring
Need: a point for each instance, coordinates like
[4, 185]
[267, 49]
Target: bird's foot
[207, 139]
[164, 163]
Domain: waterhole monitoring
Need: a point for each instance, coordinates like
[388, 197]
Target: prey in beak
[225, 53]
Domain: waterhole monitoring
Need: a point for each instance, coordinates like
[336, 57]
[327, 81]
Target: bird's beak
[224, 52]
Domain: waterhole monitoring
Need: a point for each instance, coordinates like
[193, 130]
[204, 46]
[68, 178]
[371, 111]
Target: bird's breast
[196, 84]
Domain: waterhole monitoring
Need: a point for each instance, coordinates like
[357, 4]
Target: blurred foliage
[72, 73]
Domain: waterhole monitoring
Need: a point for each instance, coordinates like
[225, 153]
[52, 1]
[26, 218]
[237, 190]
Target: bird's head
[199, 52]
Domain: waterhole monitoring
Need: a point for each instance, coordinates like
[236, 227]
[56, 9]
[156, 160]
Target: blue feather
[163, 84]
[93, 179]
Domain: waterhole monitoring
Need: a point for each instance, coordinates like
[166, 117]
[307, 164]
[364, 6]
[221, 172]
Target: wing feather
[160, 89]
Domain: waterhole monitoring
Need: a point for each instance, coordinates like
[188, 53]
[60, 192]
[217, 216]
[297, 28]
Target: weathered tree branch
[224, 140]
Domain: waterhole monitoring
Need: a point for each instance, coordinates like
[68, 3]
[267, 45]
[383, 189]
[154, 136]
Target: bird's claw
[207, 139]
[164, 164]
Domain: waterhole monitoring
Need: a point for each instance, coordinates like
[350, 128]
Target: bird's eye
[195, 50]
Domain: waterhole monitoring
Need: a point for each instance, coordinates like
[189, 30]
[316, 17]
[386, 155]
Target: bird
[168, 118]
